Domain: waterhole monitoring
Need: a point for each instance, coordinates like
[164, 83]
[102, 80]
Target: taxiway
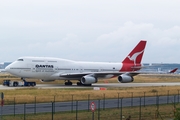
[53, 86]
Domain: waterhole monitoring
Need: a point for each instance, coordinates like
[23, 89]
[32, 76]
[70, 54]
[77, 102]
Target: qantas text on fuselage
[50, 69]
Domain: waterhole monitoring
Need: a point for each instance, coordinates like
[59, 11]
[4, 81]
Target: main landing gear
[68, 82]
[80, 84]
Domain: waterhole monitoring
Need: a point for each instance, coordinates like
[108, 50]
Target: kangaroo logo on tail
[134, 56]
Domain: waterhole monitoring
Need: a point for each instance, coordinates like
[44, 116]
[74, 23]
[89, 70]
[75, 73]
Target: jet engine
[124, 78]
[47, 80]
[88, 79]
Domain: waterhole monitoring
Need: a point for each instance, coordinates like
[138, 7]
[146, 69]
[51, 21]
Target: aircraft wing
[97, 74]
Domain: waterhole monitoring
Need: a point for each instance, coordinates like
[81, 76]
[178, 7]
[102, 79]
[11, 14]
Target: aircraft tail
[135, 56]
[173, 71]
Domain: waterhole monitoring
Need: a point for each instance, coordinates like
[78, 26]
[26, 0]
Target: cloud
[162, 45]
[92, 31]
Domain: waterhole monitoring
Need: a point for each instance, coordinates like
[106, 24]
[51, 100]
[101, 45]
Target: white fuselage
[51, 68]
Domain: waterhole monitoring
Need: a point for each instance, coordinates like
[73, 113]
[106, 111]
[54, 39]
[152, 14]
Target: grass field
[28, 95]
[62, 94]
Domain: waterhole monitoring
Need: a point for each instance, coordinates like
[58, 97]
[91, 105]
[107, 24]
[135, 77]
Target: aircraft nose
[7, 69]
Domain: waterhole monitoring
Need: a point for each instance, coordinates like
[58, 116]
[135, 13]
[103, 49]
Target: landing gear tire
[87, 84]
[68, 83]
[79, 84]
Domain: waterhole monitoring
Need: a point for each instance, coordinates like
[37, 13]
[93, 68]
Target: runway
[55, 86]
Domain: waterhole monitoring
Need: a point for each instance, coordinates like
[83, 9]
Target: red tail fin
[136, 54]
[174, 70]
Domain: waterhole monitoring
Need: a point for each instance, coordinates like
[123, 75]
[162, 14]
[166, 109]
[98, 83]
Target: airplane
[173, 70]
[167, 72]
[50, 69]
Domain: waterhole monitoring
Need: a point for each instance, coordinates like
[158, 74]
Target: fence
[147, 106]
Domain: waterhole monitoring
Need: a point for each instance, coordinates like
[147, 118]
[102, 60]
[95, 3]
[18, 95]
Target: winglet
[135, 56]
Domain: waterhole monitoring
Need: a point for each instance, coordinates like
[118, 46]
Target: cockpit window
[20, 60]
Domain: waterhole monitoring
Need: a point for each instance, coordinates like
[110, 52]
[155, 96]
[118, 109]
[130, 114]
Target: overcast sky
[90, 30]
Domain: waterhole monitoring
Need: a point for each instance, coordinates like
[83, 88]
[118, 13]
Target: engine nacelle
[47, 80]
[124, 78]
[88, 79]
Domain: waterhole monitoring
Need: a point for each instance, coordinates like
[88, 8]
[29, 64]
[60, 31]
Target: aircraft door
[100, 69]
[29, 67]
[81, 69]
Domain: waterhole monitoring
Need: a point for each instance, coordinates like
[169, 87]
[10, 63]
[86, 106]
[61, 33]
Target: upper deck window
[20, 60]
[37, 60]
[52, 61]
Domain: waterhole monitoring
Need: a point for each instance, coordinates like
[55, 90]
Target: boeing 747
[49, 69]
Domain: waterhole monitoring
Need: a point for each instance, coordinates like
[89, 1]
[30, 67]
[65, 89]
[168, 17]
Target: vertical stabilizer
[173, 71]
[135, 56]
